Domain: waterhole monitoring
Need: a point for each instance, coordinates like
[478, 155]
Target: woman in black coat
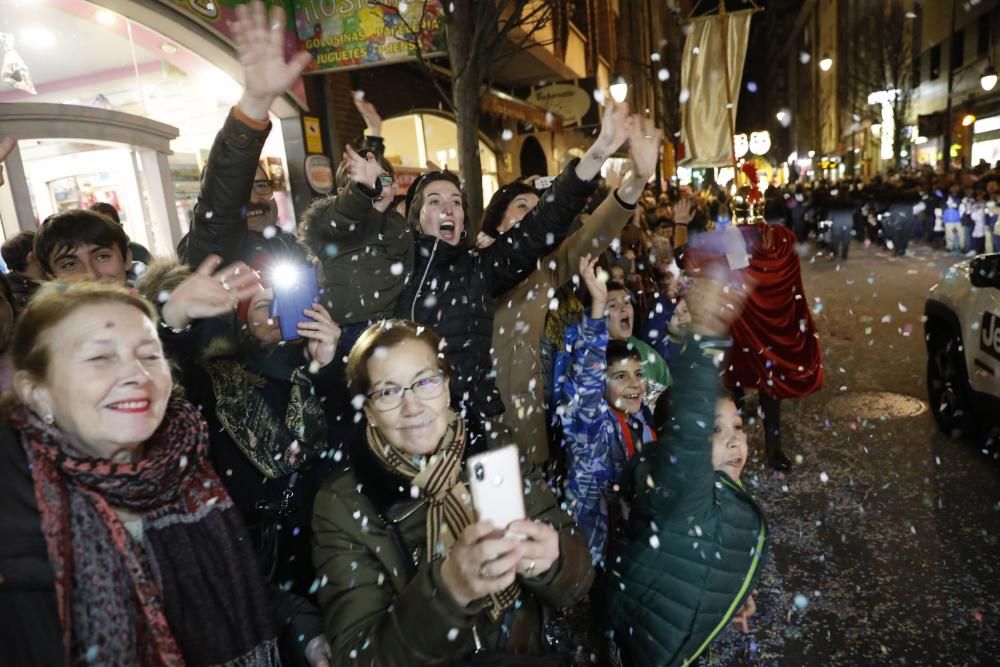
[453, 285]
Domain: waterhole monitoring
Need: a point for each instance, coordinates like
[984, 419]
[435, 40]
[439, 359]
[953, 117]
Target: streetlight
[618, 90]
[989, 78]
[826, 62]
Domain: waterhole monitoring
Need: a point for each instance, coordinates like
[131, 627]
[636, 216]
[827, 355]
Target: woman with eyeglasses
[407, 574]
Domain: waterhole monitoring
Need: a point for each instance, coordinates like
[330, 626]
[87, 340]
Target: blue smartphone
[296, 289]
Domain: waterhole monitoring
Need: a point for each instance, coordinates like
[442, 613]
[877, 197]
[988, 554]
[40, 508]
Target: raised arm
[607, 222]
[516, 254]
[339, 217]
[219, 225]
[680, 475]
[584, 414]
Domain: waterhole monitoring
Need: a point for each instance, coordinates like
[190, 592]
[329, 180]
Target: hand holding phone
[296, 289]
[496, 486]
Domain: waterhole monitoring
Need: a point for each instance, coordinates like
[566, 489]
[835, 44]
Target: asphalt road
[886, 535]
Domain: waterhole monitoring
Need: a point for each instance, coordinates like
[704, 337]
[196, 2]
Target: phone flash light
[284, 275]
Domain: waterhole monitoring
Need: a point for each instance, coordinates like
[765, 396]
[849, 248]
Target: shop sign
[220, 15]
[347, 34]
[314, 140]
[566, 99]
[319, 174]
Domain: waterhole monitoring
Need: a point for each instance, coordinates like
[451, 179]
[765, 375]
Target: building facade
[542, 104]
[958, 121]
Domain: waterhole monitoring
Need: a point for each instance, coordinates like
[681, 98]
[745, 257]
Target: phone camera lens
[480, 473]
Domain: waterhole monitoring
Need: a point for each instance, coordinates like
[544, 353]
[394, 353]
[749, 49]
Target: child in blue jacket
[604, 421]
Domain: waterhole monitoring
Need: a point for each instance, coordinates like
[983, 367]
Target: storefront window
[413, 140]
[79, 53]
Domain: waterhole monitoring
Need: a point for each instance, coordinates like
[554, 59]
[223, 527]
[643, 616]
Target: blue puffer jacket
[592, 436]
[696, 539]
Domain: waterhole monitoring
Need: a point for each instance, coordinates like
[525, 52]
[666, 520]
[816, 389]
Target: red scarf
[194, 565]
[627, 432]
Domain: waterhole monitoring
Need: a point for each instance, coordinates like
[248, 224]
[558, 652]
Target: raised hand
[208, 292]
[368, 111]
[714, 303]
[615, 126]
[322, 335]
[684, 211]
[644, 151]
[364, 170]
[596, 281]
[260, 43]
[644, 146]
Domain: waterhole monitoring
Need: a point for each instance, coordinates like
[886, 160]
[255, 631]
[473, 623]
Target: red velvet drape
[775, 346]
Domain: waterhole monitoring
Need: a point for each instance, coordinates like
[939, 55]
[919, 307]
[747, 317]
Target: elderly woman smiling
[408, 575]
[118, 543]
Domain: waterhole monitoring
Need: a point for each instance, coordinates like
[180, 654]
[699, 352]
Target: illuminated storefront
[141, 90]
[415, 139]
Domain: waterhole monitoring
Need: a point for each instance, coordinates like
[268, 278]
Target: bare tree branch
[419, 55]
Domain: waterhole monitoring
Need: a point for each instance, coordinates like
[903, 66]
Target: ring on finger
[482, 572]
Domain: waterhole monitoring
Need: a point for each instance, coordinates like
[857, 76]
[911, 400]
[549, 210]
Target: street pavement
[884, 537]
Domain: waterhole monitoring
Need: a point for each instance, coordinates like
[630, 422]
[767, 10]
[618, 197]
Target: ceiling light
[38, 37]
[106, 16]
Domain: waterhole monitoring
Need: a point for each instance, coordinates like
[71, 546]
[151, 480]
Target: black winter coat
[219, 224]
[454, 287]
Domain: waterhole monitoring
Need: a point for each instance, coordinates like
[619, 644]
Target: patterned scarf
[188, 592]
[449, 502]
[277, 445]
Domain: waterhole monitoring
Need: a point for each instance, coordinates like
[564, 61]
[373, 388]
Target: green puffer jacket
[696, 539]
[381, 610]
[365, 255]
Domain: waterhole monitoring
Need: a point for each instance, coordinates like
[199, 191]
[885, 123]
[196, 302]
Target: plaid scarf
[188, 593]
[449, 502]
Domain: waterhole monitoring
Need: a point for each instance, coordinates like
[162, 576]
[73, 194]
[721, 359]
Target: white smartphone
[497, 489]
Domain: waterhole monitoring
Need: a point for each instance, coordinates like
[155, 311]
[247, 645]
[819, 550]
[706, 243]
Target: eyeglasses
[386, 180]
[264, 188]
[391, 398]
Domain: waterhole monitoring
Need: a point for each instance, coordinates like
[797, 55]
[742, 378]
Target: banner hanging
[705, 129]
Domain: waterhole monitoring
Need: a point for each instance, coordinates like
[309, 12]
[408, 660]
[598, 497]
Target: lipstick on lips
[131, 407]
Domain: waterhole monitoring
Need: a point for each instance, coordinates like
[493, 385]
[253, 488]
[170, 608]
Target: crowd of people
[195, 475]
[958, 212]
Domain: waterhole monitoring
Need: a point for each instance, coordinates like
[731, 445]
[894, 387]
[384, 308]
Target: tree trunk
[467, 104]
[468, 71]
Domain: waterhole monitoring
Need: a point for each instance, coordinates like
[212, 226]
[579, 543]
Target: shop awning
[502, 105]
